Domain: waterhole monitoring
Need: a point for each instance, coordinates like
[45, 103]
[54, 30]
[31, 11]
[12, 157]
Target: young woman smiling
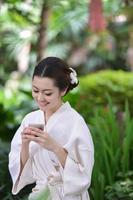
[61, 156]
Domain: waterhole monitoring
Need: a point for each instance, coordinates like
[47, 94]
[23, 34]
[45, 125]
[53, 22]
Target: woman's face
[46, 94]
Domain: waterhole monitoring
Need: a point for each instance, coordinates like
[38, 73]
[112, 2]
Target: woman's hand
[25, 140]
[44, 139]
[40, 137]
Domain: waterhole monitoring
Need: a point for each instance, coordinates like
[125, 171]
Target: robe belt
[54, 183]
[54, 179]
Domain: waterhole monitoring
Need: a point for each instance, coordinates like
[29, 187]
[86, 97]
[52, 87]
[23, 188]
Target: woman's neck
[50, 112]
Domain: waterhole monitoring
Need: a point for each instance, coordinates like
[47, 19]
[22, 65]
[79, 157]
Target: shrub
[113, 140]
[93, 88]
[122, 189]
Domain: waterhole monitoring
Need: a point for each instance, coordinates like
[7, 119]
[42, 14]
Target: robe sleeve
[25, 177]
[80, 160]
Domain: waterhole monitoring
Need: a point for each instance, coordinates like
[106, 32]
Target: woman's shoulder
[33, 113]
[76, 115]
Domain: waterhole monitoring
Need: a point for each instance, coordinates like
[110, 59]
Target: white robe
[69, 129]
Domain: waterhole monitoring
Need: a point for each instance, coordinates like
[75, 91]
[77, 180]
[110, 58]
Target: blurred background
[95, 37]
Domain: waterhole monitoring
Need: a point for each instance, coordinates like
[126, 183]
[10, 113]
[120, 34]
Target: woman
[61, 156]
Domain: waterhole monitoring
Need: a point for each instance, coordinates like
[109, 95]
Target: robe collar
[64, 107]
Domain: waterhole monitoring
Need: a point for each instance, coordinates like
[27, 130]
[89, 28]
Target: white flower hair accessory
[73, 76]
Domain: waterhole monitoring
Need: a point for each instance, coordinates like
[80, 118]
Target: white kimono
[69, 129]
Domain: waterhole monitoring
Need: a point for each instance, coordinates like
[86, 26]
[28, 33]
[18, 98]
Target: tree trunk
[96, 20]
[42, 40]
[127, 2]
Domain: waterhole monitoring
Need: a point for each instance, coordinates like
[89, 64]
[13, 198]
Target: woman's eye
[35, 91]
[48, 94]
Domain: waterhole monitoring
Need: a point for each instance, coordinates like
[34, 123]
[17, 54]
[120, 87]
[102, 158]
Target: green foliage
[121, 189]
[7, 123]
[20, 23]
[127, 148]
[45, 195]
[4, 175]
[13, 107]
[112, 153]
[93, 90]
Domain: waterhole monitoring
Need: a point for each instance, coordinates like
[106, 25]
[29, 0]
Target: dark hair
[56, 69]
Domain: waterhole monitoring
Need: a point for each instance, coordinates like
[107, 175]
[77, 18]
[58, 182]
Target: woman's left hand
[42, 138]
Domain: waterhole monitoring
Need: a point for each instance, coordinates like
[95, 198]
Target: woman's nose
[40, 97]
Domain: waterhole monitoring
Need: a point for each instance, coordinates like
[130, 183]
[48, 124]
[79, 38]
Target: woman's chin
[42, 108]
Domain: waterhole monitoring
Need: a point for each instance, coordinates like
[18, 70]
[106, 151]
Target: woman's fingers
[32, 131]
[35, 133]
[38, 136]
[28, 136]
[35, 129]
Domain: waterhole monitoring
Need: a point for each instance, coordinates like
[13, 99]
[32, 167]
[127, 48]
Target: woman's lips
[43, 104]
